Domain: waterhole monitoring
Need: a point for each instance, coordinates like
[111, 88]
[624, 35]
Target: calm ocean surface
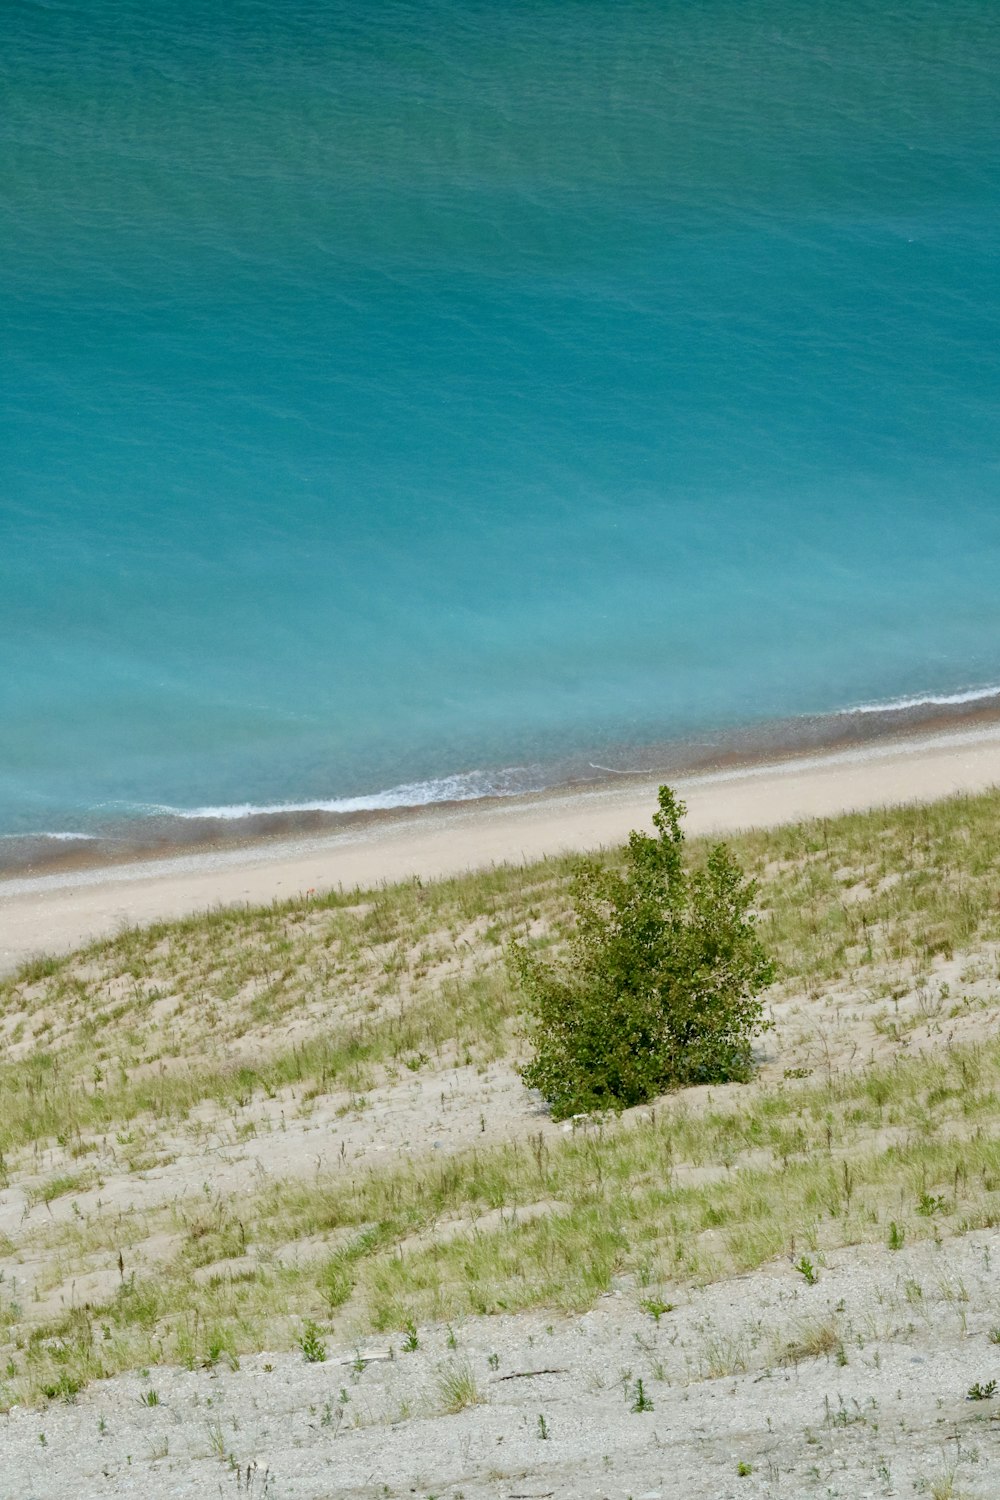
[392, 392]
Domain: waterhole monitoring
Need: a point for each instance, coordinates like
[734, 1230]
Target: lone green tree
[662, 983]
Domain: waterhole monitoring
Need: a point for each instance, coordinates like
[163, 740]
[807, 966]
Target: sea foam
[469, 786]
[924, 700]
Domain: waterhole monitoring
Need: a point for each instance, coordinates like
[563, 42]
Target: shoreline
[62, 910]
[162, 833]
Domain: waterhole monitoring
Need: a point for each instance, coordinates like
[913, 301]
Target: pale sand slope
[56, 912]
[735, 1375]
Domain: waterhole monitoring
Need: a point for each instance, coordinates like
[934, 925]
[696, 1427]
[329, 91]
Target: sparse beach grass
[130, 1066]
[904, 1152]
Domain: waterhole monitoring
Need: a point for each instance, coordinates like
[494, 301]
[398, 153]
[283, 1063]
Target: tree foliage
[662, 984]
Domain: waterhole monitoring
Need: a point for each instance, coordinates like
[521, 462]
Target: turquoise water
[406, 391]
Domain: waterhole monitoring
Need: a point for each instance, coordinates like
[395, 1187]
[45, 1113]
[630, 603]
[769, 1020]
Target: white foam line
[922, 700]
[467, 787]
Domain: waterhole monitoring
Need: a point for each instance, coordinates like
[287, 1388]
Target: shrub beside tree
[662, 984]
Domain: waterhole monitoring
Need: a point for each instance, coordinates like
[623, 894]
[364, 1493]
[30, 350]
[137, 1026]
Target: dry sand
[741, 1407]
[61, 911]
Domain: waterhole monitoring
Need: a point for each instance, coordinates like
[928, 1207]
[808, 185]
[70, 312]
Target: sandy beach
[56, 912]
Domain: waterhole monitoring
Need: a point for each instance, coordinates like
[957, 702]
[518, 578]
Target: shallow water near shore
[418, 402]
